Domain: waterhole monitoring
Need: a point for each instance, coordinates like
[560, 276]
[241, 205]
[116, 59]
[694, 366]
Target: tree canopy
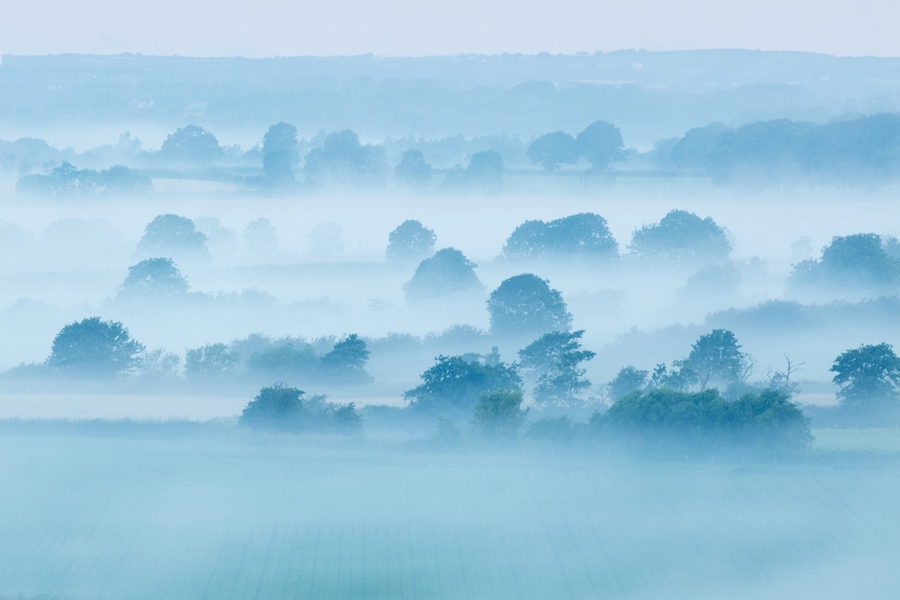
[716, 357]
[446, 272]
[191, 144]
[280, 153]
[553, 363]
[154, 278]
[526, 305]
[95, 348]
[413, 170]
[553, 149]
[583, 234]
[457, 382]
[868, 375]
[410, 241]
[683, 236]
[173, 236]
[601, 143]
[342, 159]
[858, 264]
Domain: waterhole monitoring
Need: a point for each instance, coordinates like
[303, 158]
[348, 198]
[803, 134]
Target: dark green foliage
[169, 235]
[682, 236]
[446, 272]
[717, 357]
[525, 305]
[154, 278]
[413, 170]
[344, 160]
[868, 376]
[346, 363]
[191, 144]
[280, 154]
[410, 241]
[627, 380]
[553, 362]
[456, 382]
[211, 361]
[499, 414]
[95, 348]
[601, 143]
[680, 377]
[663, 418]
[584, 234]
[856, 264]
[553, 149]
[67, 180]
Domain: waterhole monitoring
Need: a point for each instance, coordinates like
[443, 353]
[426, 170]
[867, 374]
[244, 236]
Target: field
[221, 515]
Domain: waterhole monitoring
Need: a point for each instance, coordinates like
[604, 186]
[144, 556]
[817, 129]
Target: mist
[450, 326]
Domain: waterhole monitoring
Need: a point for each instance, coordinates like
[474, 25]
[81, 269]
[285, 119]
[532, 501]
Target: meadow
[207, 513]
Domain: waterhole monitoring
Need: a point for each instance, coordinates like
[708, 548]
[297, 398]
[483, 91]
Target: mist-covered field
[85, 516]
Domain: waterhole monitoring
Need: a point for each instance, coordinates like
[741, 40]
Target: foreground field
[224, 516]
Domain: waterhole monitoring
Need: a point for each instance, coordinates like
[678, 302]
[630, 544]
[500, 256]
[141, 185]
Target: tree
[413, 170]
[171, 235]
[446, 272]
[260, 239]
[553, 149]
[526, 305]
[601, 143]
[553, 361]
[857, 264]
[154, 278]
[499, 414]
[681, 377]
[276, 407]
[457, 382]
[344, 160]
[191, 144]
[410, 241]
[346, 363]
[486, 169]
[716, 356]
[280, 154]
[681, 235]
[95, 348]
[868, 375]
[210, 361]
[583, 234]
[627, 381]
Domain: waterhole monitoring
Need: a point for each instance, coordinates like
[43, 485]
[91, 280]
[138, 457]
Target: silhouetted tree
[553, 362]
[601, 143]
[858, 264]
[410, 241]
[716, 356]
[868, 375]
[628, 380]
[553, 149]
[280, 154]
[276, 407]
[499, 414]
[171, 235]
[457, 382]
[413, 170]
[96, 348]
[343, 159]
[584, 234]
[346, 362]
[210, 361]
[154, 278]
[681, 235]
[526, 305]
[486, 169]
[191, 144]
[446, 272]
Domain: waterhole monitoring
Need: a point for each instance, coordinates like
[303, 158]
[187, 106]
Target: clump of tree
[859, 265]
[68, 180]
[287, 409]
[498, 415]
[342, 159]
[410, 241]
[191, 145]
[156, 279]
[455, 383]
[484, 172]
[584, 234]
[868, 376]
[552, 363]
[600, 143]
[445, 273]
[173, 236]
[667, 420]
[95, 349]
[281, 152]
[413, 170]
[526, 305]
[681, 236]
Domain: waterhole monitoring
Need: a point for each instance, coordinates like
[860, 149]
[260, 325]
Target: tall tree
[867, 375]
[280, 154]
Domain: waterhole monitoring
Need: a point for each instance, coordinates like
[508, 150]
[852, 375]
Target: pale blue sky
[423, 27]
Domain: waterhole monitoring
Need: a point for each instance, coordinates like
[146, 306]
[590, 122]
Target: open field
[880, 441]
[231, 516]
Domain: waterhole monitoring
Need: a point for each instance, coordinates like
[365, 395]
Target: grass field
[224, 516]
[881, 441]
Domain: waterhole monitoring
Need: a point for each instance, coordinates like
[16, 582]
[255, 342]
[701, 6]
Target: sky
[261, 28]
